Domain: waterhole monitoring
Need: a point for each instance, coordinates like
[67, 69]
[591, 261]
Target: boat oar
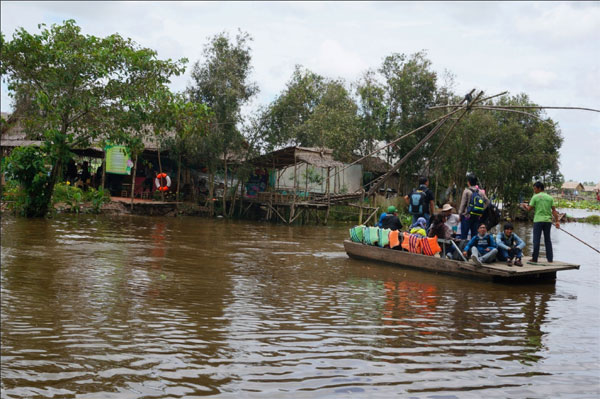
[578, 239]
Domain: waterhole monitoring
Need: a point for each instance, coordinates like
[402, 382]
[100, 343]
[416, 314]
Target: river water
[148, 307]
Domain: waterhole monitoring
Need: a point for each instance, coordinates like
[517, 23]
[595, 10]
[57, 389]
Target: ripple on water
[161, 308]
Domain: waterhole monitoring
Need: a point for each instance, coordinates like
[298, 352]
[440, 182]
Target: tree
[505, 150]
[222, 83]
[76, 87]
[313, 111]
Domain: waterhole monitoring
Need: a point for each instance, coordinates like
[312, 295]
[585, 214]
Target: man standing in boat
[421, 201]
[543, 204]
[472, 205]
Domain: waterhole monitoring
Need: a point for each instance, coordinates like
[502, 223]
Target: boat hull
[495, 271]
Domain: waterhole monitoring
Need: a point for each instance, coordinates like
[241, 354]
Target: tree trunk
[49, 191]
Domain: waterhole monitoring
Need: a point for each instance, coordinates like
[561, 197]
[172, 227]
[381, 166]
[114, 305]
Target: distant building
[572, 186]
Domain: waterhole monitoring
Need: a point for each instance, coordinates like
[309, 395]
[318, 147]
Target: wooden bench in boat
[490, 271]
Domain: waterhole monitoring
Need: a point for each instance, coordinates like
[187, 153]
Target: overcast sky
[549, 50]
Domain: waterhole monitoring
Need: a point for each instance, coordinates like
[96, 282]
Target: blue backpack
[476, 204]
[416, 204]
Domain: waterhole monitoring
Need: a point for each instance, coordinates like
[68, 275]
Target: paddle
[578, 239]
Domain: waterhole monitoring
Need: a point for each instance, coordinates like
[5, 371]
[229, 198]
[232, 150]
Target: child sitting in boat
[419, 227]
[510, 246]
[483, 245]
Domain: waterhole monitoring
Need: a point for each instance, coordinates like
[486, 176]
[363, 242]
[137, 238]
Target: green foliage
[592, 205]
[78, 200]
[313, 112]
[593, 219]
[72, 90]
[28, 166]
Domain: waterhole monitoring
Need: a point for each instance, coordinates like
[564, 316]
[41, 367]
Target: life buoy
[159, 182]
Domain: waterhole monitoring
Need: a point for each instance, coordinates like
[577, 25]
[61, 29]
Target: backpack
[416, 205]
[476, 204]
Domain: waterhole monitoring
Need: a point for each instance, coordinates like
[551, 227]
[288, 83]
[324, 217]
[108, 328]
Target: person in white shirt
[452, 219]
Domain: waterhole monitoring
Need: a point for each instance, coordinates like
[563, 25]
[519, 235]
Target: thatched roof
[590, 188]
[320, 157]
[16, 136]
[373, 164]
[572, 185]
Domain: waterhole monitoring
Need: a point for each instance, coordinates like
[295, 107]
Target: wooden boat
[497, 271]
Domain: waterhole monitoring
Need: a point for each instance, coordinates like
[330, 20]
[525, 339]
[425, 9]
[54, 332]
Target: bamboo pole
[378, 184]
[393, 142]
[295, 187]
[523, 107]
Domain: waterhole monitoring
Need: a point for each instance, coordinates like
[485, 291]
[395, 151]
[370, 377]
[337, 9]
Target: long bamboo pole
[521, 106]
[384, 177]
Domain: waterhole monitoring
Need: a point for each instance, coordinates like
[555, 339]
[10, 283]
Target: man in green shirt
[543, 204]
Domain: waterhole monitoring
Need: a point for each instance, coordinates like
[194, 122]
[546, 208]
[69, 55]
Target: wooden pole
[178, 176]
[328, 197]
[162, 193]
[394, 168]
[295, 187]
[360, 213]
[104, 171]
[133, 179]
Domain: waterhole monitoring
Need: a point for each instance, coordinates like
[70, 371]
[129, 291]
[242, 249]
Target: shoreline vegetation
[69, 199]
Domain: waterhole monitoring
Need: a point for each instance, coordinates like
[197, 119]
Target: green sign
[118, 160]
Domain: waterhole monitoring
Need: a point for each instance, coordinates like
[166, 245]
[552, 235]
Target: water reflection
[183, 307]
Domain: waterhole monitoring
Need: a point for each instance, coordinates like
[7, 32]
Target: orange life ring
[159, 182]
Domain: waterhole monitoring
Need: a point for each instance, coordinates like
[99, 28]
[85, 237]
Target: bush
[75, 198]
[29, 168]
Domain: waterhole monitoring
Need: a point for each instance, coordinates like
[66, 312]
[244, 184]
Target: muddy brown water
[151, 307]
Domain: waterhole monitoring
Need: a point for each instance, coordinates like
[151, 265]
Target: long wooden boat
[491, 271]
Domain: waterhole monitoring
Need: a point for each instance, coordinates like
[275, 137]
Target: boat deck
[491, 271]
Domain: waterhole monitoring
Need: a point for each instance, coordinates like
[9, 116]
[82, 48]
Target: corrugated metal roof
[320, 157]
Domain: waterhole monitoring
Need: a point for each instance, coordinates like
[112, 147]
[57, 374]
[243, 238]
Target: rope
[578, 239]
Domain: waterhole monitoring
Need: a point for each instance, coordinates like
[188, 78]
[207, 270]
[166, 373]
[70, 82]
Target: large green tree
[313, 111]
[73, 88]
[393, 101]
[503, 148]
[221, 80]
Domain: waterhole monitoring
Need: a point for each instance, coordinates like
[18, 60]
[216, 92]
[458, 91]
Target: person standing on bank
[420, 201]
[543, 204]
[472, 205]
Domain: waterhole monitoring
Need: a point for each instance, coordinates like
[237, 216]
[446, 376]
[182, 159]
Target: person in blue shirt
[483, 247]
[510, 246]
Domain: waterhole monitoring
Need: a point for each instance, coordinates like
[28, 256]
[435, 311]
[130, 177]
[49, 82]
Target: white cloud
[548, 50]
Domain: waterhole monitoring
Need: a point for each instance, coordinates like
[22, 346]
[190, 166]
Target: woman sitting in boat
[419, 227]
[440, 229]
